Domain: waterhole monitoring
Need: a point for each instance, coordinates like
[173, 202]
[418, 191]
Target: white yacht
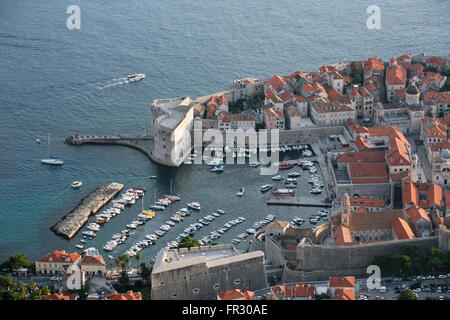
[277, 178]
[136, 77]
[51, 159]
[266, 187]
[194, 205]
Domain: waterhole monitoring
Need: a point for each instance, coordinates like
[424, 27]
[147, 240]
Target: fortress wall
[183, 283]
[444, 238]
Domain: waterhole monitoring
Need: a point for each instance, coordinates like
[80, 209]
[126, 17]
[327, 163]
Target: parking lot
[430, 288]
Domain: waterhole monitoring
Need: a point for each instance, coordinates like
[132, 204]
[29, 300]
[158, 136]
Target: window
[196, 291]
[237, 281]
[216, 286]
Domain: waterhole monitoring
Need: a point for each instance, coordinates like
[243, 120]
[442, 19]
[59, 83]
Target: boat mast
[48, 145]
[170, 186]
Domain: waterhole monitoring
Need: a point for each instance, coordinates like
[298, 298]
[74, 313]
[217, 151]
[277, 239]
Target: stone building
[325, 113]
[201, 273]
[172, 124]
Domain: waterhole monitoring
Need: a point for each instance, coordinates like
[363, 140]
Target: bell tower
[345, 210]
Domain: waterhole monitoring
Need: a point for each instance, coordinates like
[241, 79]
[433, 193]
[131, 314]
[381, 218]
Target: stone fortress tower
[412, 94]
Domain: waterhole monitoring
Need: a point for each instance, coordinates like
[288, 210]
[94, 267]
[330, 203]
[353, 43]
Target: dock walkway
[297, 201]
[71, 223]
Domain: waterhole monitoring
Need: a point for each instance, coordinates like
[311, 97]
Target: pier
[72, 222]
[298, 201]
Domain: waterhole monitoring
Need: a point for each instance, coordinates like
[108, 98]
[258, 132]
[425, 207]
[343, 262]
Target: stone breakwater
[72, 222]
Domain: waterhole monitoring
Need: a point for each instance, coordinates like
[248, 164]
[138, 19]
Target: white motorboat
[241, 192]
[277, 178]
[172, 197]
[136, 77]
[220, 211]
[256, 164]
[77, 184]
[79, 246]
[266, 187]
[194, 205]
[157, 207]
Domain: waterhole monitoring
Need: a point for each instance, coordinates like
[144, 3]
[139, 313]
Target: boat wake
[122, 81]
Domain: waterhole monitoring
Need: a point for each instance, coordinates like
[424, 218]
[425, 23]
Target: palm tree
[138, 258]
[117, 263]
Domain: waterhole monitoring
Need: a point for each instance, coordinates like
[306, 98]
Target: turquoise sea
[54, 80]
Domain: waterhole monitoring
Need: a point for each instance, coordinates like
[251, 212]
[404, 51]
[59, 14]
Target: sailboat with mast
[51, 159]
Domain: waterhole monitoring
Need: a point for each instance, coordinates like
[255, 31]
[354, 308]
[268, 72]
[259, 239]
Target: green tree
[45, 291]
[407, 294]
[36, 294]
[434, 259]
[322, 296]
[188, 242]
[83, 293]
[145, 273]
[16, 261]
[400, 263]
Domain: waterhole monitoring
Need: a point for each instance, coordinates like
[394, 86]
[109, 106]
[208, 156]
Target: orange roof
[55, 296]
[410, 193]
[435, 61]
[236, 294]
[344, 294]
[407, 56]
[361, 156]
[308, 87]
[447, 199]
[368, 170]
[212, 99]
[93, 260]
[342, 236]
[342, 282]
[416, 213]
[222, 100]
[295, 291]
[361, 143]
[368, 202]
[401, 229]
[441, 97]
[130, 295]
[395, 75]
[276, 82]
[435, 196]
[61, 257]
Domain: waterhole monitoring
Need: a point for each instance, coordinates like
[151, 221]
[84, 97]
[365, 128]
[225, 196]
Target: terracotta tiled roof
[401, 229]
[375, 220]
[344, 294]
[441, 97]
[276, 82]
[361, 156]
[341, 236]
[236, 294]
[93, 260]
[368, 170]
[435, 61]
[342, 282]
[55, 296]
[435, 196]
[130, 295]
[361, 143]
[395, 75]
[368, 202]
[447, 199]
[61, 257]
[410, 193]
[415, 213]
